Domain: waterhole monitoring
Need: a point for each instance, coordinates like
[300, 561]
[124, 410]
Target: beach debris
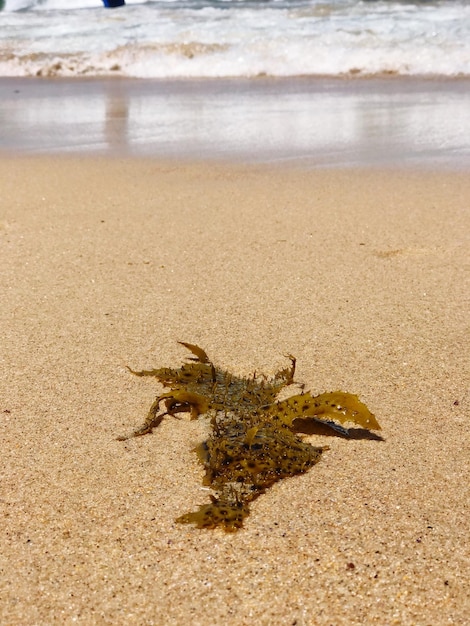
[254, 439]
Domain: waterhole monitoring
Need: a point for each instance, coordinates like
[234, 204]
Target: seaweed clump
[253, 442]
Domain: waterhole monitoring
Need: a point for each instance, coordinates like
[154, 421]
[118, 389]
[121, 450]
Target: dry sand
[363, 276]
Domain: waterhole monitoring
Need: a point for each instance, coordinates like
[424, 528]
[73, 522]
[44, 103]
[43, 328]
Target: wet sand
[320, 122]
[362, 274]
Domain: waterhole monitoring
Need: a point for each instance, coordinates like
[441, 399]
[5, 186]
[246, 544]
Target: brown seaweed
[253, 442]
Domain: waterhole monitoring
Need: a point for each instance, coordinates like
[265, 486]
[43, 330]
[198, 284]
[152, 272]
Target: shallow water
[234, 38]
[326, 122]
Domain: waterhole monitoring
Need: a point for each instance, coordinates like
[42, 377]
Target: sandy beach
[361, 274]
[325, 122]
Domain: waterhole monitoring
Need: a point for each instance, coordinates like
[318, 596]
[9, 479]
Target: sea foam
[230, 38]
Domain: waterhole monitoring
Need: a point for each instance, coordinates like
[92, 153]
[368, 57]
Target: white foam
[60, 5]
[174, 38]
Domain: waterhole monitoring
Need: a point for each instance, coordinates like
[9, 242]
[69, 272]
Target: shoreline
[315, 123]
[362, 275]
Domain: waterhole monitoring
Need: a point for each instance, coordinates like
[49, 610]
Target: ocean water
[235, 38]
